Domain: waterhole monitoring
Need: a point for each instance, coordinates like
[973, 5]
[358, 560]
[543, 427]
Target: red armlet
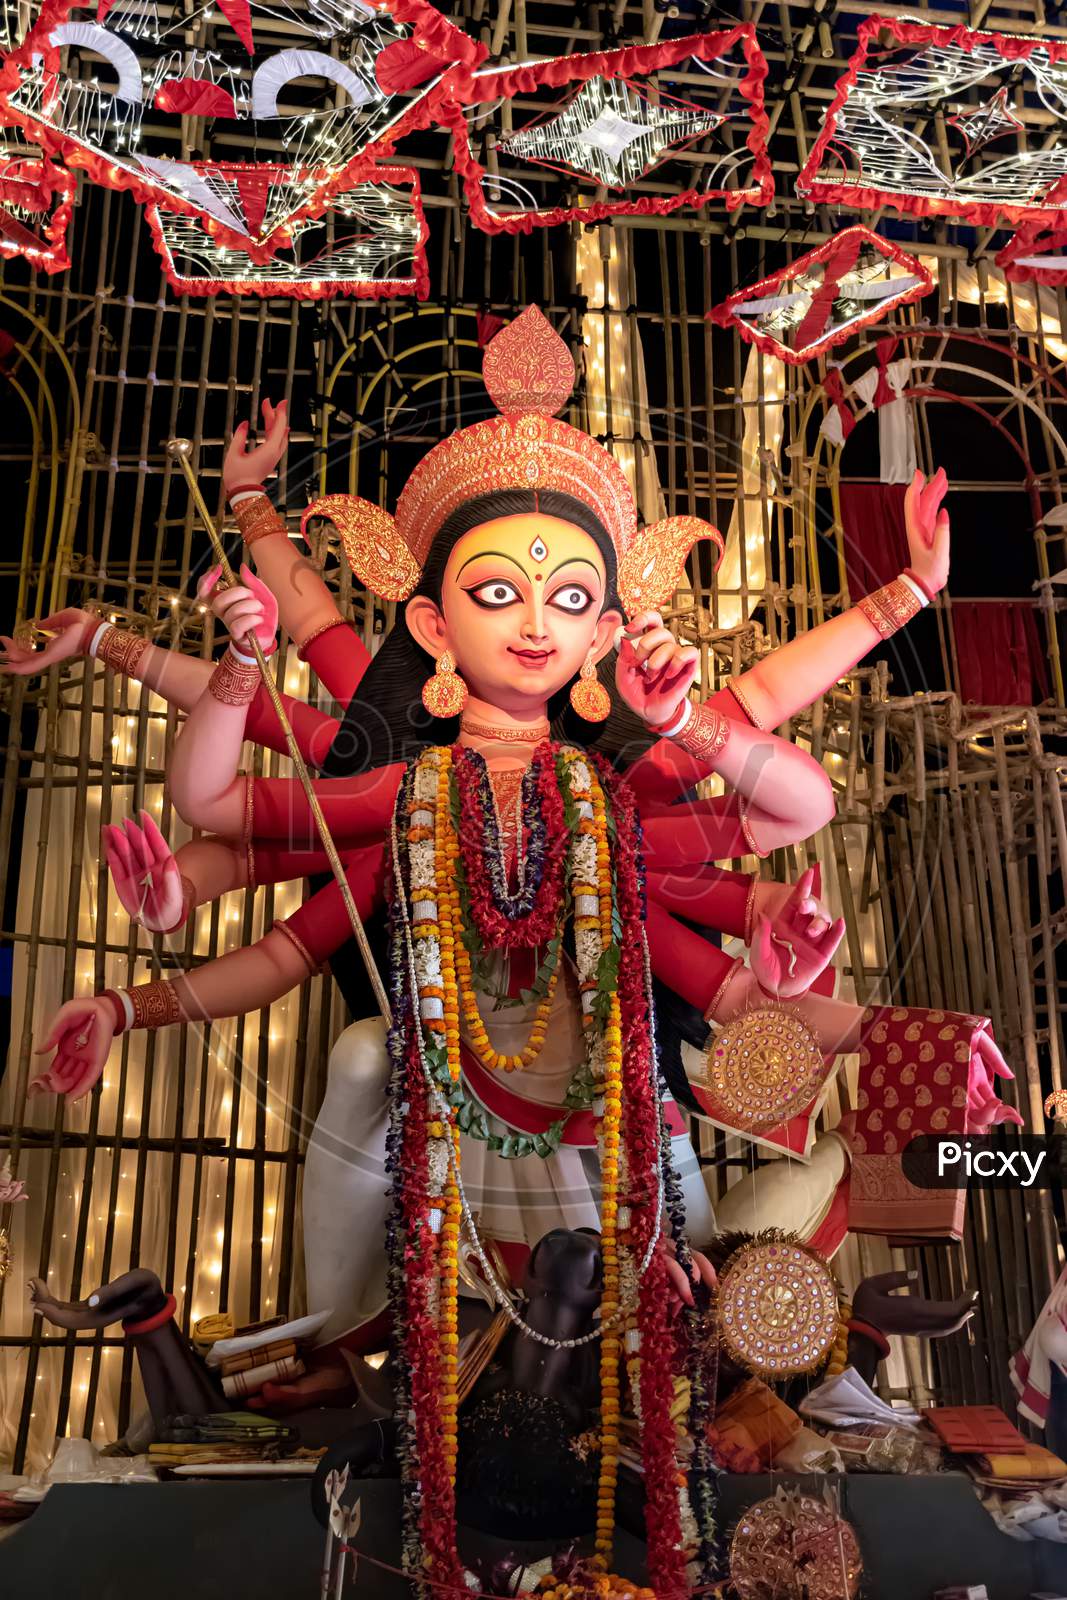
[869, 1331]
[150, 1324]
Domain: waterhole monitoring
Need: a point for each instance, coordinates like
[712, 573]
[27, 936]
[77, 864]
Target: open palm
[250, 464]
[145, 874]
[927, 524]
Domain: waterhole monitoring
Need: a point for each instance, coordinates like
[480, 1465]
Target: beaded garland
[450, 901]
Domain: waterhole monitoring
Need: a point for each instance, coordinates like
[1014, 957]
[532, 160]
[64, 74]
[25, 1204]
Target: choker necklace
[506, 735]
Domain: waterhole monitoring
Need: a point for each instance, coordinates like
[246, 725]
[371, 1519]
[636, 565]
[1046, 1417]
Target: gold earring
[445, 694]
[588, 695]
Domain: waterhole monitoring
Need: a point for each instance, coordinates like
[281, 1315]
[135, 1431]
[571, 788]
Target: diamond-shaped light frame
[825, 297]
[701, 86]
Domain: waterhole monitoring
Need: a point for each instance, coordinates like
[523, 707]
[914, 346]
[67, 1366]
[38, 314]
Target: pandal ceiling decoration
[392, 63]
[1035, 255]
[935, 125]
[369, 242]
[825, 297]
[694, 104]
[36, 201]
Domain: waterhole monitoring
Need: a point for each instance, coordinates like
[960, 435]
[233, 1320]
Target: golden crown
[529, 374]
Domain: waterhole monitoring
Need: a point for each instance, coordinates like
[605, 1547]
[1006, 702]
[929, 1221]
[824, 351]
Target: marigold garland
[587, 866]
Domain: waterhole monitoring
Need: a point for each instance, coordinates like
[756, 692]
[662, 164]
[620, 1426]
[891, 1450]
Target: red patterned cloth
[915, 1077]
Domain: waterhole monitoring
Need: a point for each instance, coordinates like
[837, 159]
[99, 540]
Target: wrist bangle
[231, 683]
[704, 734]
[717, 998]
[121, 1007]
[317, 633]
[867, 1330]
[920, 583]
[888, 609]
[674, 725]
[154, 1005]
[245, 488]
[159, 1319]
[257, 519]
[119, 650]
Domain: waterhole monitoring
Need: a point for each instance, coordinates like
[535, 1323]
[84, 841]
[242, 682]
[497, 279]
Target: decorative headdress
[529, 373]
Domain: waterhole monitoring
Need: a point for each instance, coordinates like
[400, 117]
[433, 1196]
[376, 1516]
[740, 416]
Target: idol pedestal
[255, 1540]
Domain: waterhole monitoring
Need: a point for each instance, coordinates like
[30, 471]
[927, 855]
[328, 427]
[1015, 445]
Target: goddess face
[522, 607]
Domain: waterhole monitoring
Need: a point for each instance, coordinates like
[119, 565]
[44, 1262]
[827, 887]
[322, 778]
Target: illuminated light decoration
[377, 250]
[618, 127]
[611, 132]
[36, 202]
[986, 123]
[1035, 255]
[111, 117]
[873, 147]
[825, 297]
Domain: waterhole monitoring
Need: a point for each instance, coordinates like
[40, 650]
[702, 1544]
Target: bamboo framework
[948, 857]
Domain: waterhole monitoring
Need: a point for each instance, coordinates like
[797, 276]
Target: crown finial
[527, 366]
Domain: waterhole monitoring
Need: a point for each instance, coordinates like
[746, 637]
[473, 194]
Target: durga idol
[529, 830]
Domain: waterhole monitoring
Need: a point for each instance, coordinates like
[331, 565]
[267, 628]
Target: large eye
[494, 593]
[573, 598]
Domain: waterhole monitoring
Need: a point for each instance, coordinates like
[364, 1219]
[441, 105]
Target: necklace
[507, 735]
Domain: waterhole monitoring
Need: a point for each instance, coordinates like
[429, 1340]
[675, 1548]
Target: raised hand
[927, 525]
[81, 1035]
[247, 608]
[252, 464]
[788, 953]
[145, 874]
[73, 630]
[654, 673]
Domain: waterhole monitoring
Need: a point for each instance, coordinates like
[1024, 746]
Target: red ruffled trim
[418, 284]
[440, 35]
[50, 240]
[634, 60]
[1023, 243]
[862, 197]
[723, 314]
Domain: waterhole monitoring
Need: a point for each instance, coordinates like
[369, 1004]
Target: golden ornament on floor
[6, 1257]
[778, 1307]
[763, 1068]
[445, 694]
[795, 1547]
[588, 695]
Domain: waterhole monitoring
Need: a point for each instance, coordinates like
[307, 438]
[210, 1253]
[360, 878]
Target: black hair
[386, 721]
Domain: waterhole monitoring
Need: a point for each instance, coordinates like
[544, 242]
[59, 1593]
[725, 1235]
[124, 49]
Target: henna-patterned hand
[145, 874]
[246, 608]
[927, 524]
[875, 1302]
[72, 629]
[790, 952]
[248, 464]
[81, 1035]
[654, 673]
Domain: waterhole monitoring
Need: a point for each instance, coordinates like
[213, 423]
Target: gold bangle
[317, 633]
[155, 1005]
[750, 908]
[250, 796]
[298, 943]
[889, 608]
[747, 834]
[743, 701]
[705, 734]
[709, 1015]
[232, 683]
[256, 519]
[122, 651]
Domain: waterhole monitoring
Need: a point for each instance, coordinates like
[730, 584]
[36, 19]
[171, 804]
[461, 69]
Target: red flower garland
[497, 931]
[666, 1554]
[437, 1523]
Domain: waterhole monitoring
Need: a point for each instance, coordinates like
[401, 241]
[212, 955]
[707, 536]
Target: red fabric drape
[1000, 654]
[876, 543]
